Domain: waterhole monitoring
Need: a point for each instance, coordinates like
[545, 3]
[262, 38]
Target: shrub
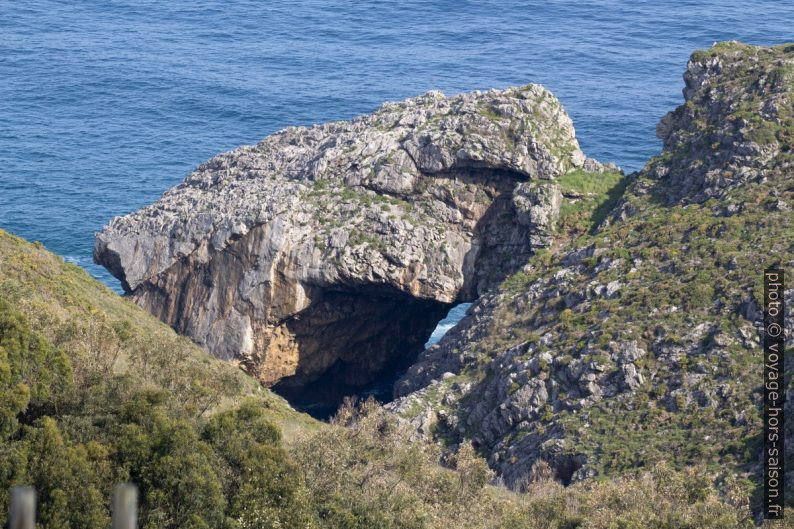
[34, 377]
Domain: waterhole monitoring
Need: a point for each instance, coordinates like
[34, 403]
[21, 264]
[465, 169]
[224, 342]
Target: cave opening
[359, 340]
[424, 323]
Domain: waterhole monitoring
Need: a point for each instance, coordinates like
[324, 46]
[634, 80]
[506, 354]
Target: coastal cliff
[640, 340]
[333, 251]
[616, 320]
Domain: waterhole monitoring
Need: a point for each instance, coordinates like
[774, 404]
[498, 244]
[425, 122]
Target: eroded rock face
[599, 357]
[340, 246]
[726, 134]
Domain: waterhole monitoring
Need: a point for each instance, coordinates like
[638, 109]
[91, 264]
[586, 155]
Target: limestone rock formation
[727, 133]
[335, 249]
[641, 340]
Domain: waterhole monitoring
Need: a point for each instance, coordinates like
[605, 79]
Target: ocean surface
[452, 318]
[105, 105]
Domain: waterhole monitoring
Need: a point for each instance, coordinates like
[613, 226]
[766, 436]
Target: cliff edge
[640, 340]
[334, 250]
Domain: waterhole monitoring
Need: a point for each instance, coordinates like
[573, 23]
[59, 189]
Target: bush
[231, 472]
[263, 487]
[34, 377]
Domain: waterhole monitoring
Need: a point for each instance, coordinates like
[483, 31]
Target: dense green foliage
[230, 471]
[33, 376]
[95, 391]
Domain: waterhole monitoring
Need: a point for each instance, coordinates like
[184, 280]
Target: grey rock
[736, 155]
[279, 254]
[537, 206]
[612, 289]
[631, 377]
[630, 352]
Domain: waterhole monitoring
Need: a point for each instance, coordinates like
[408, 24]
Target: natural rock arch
[335, 250]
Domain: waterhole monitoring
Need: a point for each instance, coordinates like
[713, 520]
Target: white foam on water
[454, 315]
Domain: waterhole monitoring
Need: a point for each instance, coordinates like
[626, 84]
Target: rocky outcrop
[337, 248]
[732, 126]
[640, 341]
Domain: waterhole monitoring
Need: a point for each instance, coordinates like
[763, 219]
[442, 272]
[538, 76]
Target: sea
[104, 105]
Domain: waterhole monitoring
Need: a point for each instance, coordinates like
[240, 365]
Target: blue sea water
[452, 318]
[105, 105]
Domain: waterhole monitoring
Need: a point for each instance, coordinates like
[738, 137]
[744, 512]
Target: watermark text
[774, 392]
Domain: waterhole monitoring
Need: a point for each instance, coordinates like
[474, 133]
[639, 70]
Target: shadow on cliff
[357, 341]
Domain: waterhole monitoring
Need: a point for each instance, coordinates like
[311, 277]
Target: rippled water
[455, 314]
[105, 105]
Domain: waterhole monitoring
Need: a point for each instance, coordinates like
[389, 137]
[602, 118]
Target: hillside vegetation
[612, 383]
[96, 391]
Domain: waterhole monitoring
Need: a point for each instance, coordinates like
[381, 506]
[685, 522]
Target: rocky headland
[615, 320]
[330, 253]
[608, 370]
[639, 341]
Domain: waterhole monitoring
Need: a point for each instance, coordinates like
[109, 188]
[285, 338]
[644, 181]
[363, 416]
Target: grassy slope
[106, 334]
